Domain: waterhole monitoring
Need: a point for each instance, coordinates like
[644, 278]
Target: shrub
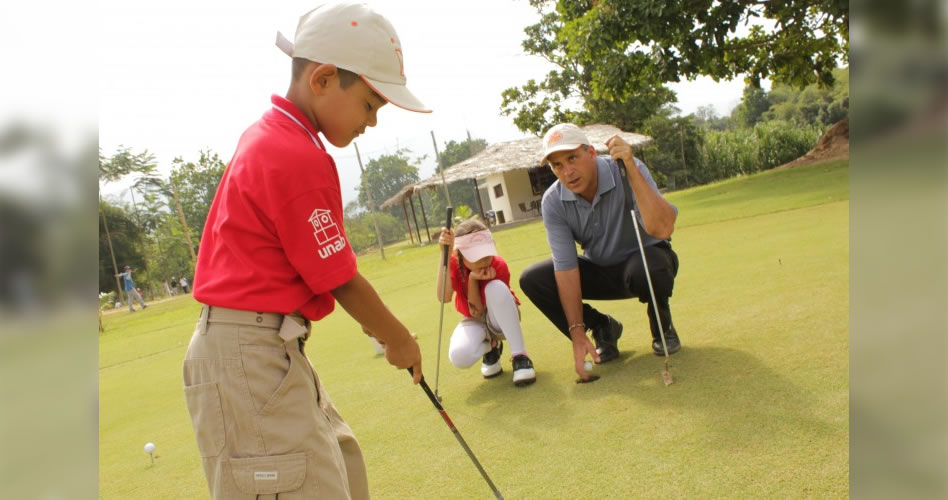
[780, 142]
[745, 151]
[361, 230]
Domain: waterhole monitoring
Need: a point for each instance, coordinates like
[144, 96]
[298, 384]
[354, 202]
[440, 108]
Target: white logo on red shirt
[327, 233]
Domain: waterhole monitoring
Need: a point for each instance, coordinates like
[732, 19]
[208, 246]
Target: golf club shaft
[444, 284]
[454, 430]
[648, 276]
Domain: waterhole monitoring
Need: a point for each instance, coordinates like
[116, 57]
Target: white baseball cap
[563, 137]
[354, 37]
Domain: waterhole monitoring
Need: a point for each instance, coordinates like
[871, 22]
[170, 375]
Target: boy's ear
[322, 77]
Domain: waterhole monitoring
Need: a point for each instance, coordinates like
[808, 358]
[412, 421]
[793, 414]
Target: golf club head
[666, 375]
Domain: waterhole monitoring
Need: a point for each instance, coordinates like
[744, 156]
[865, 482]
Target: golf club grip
[447, 224]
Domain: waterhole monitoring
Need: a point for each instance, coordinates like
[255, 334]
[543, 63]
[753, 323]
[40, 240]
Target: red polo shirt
[459, 283]
[274, 239]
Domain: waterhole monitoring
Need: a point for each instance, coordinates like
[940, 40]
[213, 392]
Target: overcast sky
[177, 76]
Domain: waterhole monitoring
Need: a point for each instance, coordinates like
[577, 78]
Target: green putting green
[759, 408]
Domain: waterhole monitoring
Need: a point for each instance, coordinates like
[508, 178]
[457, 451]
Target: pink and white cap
[475, 246]
[354, 37]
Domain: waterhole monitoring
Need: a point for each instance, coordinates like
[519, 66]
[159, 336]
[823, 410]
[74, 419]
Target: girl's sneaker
[524, 374]
[490, 366]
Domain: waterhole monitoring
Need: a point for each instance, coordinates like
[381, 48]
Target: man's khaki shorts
[264, 425]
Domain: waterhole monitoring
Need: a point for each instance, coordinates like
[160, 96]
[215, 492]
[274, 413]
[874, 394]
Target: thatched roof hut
[399, 197]
[521, 154]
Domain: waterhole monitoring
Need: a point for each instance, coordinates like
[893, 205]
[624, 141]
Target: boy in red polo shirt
[274, 258]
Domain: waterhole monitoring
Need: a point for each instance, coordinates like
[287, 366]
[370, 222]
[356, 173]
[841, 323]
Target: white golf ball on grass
[588, 366]
[150, 450]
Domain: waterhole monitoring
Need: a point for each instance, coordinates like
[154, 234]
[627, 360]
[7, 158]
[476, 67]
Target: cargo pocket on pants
[276, 474]
[207, 417]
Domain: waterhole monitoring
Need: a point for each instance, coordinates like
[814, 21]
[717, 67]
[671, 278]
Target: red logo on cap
[554, 138]
[401, 61]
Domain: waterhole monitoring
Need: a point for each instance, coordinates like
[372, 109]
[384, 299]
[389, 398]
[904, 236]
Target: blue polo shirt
[602, 228]
[127, 278]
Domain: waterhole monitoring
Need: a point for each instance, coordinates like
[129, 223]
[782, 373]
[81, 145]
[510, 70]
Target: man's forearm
[361, 301]
[571, 298]
[658, 216]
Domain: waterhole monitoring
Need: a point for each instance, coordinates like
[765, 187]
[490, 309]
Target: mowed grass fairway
[759, 407]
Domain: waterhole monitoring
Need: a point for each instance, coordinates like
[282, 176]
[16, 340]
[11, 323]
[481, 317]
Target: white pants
[470, 340]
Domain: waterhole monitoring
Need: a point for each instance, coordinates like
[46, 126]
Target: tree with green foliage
[386, 175]
[161, 237]
[454, 152]
[196, 184]
[613, 57]
[595, 80]
[168, 245]
[462, 192]
[360, 230]
[123, 162]
[127, 238]
[674, 155]
[120, 165]
[754, 103]
[812, 105]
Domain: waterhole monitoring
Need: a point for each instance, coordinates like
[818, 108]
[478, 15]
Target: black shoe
[671, 339]
[524, 374]
[607, 337]
[490, 365]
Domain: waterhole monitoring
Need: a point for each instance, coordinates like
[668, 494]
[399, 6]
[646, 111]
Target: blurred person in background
[130, 290]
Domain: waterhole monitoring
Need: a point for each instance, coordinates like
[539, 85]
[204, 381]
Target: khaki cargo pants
[264, 425]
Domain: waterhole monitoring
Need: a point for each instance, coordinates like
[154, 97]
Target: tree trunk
[108, 237]
[187, 232]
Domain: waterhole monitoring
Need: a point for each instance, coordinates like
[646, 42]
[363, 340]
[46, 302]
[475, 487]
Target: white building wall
[501, 203]
[516, 190]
